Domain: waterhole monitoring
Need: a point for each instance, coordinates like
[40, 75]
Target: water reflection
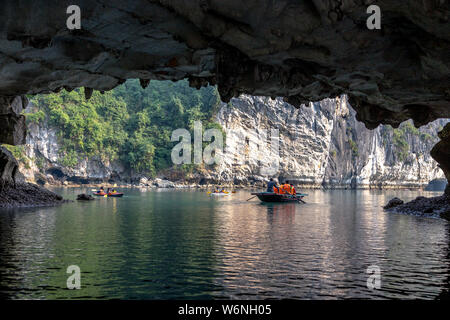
[280, 212]
[323, 249]
[188, 245]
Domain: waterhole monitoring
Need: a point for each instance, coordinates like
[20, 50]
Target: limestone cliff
[43, 161]
[323, 145]
[319, 145]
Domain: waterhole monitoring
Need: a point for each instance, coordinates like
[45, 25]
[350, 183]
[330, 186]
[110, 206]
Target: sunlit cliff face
[301, 50]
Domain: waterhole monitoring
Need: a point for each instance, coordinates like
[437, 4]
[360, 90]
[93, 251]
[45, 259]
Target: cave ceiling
[301, 50]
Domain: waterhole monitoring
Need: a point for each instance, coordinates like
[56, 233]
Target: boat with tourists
[283, 193]
[275, 197]
[221, 192]
[109, 193]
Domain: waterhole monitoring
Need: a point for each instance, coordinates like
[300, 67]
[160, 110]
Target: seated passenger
[281, 189]
[271, 185]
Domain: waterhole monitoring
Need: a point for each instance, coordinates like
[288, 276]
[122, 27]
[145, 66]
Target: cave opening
[55, 172]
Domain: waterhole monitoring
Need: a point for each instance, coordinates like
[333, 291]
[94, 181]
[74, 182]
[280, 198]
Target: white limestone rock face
[46, 159]
[320, 145]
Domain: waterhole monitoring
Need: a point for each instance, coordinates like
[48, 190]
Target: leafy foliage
[19, 153]
[408, 128]
[354, 147]
[402, 146]
[127, 123]
[36, 117]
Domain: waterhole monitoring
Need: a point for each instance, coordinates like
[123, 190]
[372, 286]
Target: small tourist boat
[99, 194]
[275, 197]
[219, 194]
[109, 194]
[115, 194]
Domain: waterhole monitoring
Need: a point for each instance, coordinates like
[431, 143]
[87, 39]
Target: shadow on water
[146, 247]
[445, 293]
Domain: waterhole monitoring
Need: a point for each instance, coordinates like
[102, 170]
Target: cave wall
[12, 131]
[12, 122]
[441, 153]
[303, 50]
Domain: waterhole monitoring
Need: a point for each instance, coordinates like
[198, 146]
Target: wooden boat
[115, 194]
[99, 194]
[275, 197]
[109, 194]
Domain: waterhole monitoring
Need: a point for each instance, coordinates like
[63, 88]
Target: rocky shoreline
[186, 184]
[438, 207]
[15, 192]
[23, 195]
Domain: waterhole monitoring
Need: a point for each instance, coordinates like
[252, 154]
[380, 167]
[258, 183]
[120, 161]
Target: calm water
[188, 245]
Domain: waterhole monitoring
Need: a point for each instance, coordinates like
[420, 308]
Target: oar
[250, 198]
[301, 200]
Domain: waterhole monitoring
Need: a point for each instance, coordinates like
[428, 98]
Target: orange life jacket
[286, 188]
[275, 189]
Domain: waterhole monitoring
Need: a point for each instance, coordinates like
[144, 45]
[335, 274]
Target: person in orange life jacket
[293, 191]
[287, 188]
[281, 189]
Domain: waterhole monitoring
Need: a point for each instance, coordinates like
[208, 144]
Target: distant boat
[115, 194]
[275, 197]
[99, 194]
[219, 194]
[109, 194]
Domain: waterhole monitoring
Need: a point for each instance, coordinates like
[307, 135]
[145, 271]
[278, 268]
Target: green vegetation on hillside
[401, 144]
[408, 128]
[128, 123]
[18, 153]
[354, 147]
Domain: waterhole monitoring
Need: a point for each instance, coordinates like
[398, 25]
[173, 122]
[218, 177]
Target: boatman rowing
[270, 185]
